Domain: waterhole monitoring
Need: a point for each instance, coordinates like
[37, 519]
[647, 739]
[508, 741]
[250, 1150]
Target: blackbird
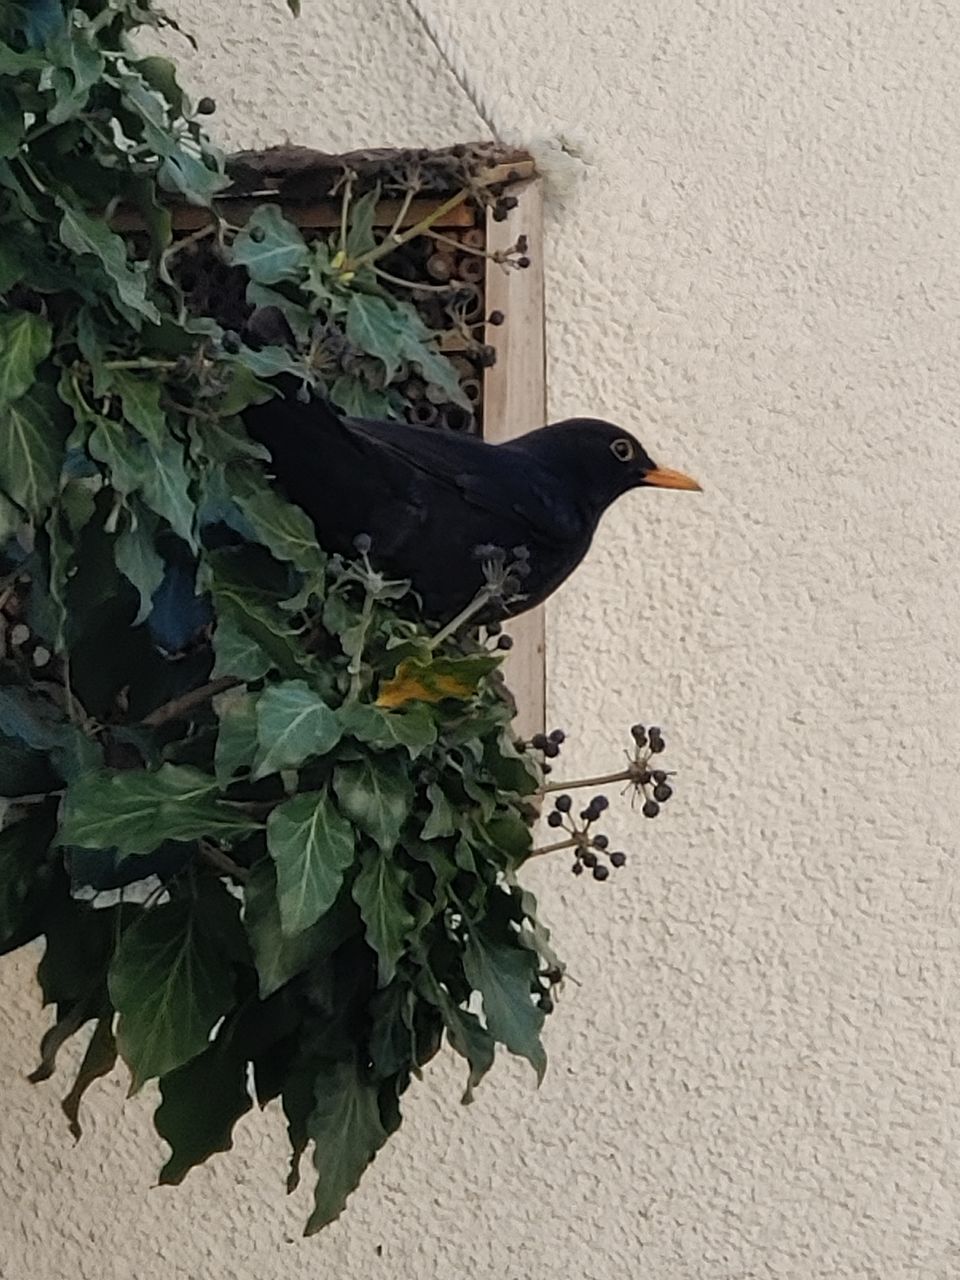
[435, 503]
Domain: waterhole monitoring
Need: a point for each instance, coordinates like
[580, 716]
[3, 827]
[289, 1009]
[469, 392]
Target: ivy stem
[356, 661]
[384, 247]
[499, 256]
[178, 707]
[412, 284]
[221, 861]
[630, 774]
[482, 598]
[142, 362]
[555, 848]
[402, 212]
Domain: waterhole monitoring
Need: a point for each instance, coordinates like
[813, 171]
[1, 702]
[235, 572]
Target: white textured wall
[756, 1073]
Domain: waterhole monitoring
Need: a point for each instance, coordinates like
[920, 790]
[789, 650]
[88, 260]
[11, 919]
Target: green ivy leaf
[360, 237]
[42, 726]
[201, 1102]
[161, 75]
[139, 562]
[137, 811]
[140, 398]
[270, 247]
[281, 956]
[170, 981]
[372, 326]
[285, 530]
[379, 892]
[236, 736]
[12, 123]
[25, 340]
[79, 66]
[254, 614]
[357, 400]
[466, 1033]
[504, 976]
[33, 431]
[166, 488]
[84, 235]
[443, 818]
[312, 845]
[376, 796]
[238, 654]
[415, 730]
[346, 1127]
[293, 723]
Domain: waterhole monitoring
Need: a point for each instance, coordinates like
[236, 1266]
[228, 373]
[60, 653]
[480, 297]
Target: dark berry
[600, 842]
[523, 263]
[538, 741]
[551, 750]
[600, 873]
[523, 244]
[487, 357]
[496, 317]
[257, 235]
[521, 553]
[663, 792]
[656, 731]
[588, 859]
[505, 642]
[546, 1004]
[656, 745]
[510, 202]
[511, 584]
[563, 803]
[645, 776]
[547, 768]
[499, 212]
[586, 815]
[554, 819]
[554, 975]
[659, 775]
[231, 342]
[362, 543]
[206, 107]
[651, 809]
[599, 803]
[557, 735]
[577, 868]
[519, 745]
[618, 859]
[494, 628]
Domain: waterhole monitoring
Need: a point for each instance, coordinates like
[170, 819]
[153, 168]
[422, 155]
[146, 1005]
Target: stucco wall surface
[755, 1073]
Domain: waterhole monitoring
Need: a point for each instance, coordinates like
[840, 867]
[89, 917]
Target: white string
[449, 51]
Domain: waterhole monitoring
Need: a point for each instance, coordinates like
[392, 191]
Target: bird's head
[609, 460]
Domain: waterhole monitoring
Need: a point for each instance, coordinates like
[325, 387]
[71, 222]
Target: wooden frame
[515, 401]
[302, 183]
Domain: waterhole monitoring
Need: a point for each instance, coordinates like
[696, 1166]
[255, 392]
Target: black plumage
[428, 498]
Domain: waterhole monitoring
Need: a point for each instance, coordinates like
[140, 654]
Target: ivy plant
[267, 826]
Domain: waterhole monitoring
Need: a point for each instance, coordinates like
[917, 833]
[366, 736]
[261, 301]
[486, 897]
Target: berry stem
[479, 601]
[630, 774]
[394, 242]
[572, 843]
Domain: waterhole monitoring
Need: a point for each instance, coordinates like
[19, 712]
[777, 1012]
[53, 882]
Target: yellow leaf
[433, 680]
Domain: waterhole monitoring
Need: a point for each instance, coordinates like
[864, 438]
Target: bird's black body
[429, 498]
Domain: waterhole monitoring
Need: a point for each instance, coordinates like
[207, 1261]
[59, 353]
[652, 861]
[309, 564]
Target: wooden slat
[515, 401]
[321, 215]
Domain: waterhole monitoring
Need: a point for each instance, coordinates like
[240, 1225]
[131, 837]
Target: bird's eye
[622, 449]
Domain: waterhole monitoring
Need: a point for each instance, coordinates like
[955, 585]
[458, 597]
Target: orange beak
[664, 478]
